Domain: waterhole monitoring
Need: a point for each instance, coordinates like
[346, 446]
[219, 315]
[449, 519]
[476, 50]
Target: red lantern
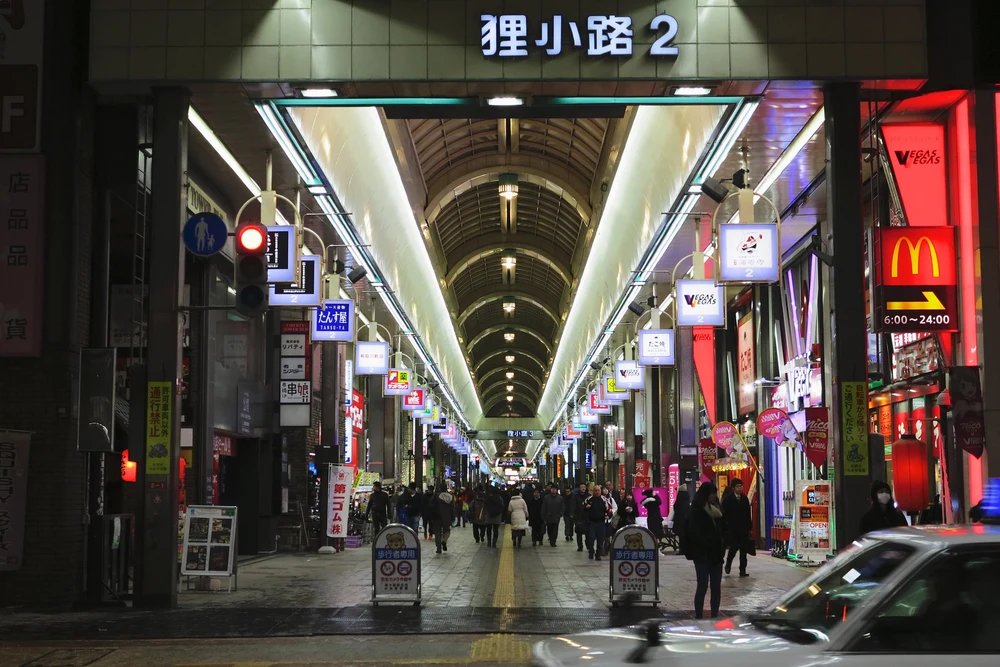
[910, 474]
[128, 468]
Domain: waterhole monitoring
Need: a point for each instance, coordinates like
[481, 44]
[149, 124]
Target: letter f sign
[12, 107]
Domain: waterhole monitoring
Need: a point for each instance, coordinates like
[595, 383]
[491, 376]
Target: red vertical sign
[746, 365]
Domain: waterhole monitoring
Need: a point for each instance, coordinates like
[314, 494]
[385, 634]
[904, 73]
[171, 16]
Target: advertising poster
[700, 303]
[725, 435]
[665, 503]
[748, 253]
[634, 563]
[746, 366]
[812, 519]
[967, 408]
[14, 448]
[777, 425]
[854, 427]
[396, 564]
[339, 500]
[817, 435]
[673, 484]
[209, 541]
[708, 453]
[159, 404]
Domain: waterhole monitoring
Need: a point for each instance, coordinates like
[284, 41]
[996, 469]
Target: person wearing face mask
[883, 513]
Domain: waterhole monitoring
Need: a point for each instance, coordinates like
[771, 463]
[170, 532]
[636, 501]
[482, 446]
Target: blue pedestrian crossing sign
[205, 234]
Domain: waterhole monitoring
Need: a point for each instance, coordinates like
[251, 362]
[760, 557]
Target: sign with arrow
[916, 279]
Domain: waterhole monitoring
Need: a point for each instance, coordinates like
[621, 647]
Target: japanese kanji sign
[513, 35]
[634, 564]
[854, 427]
[13, 496]
[396, 564]
[22, 232]
[334, 321]
[294, 392]
[339, 500]
[22, 29]
[159, 406]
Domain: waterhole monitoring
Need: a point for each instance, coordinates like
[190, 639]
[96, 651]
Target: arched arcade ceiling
[560, 164]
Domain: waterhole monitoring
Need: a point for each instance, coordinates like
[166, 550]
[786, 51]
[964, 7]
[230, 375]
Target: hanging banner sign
[612, 394]
[597, 407]
[656, 347]
[371, 358]
[726, 436]
[775, 423]
[414, 400]
[854, 427]
[334, 322]
[573, 432]
[700, 303]
[916, 279]
[967, 408]
[628, 375]
[14, 450]
[748, 253]
[619, 446]
[396, 564]
[917, 159]
[817, 442]
[588, 417]
[280, 254]
[746, 365]
[708, 453]
[338, 509]
[634, 565]
[397, 382]
[305, 292]
[812, 519]
[588, 458]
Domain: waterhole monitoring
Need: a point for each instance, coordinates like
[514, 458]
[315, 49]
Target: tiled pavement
[470, 589]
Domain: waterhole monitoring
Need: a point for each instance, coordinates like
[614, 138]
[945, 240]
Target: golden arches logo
[915, 256]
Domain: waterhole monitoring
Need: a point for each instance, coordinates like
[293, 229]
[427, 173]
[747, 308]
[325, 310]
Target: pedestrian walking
[568, 515]
[494, 515]
[706, 547]
[883, 513]
[442, 514]
[553, 509]
[378, 508]
[518, 510]
[581, 522]
[427, 512]
[739, 524]
[654, 515]
[595, 510]
[535, 518]
[478, 511]
[628, 512]
[681, 512]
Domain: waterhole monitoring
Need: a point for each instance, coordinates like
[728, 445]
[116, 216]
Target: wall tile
[640, 66]
[564, 66]
[747, 24]
[109, 64]
[407, 23]
[904, 24]
[185, 4]
[294, 62]
[825, 24]
[598, 68]
[905, 59]
[260, 63]
[295, 27]
[408, 62]
[110, 28]
[684, 66]
[863, 24]
[225, 27]
[714, 3]
[223, 63]
[786, 60]
[786, 24]
[370, 23]
[185, 63]
[259, 4]
[148, 29]
[223, 4]
[687, 23]
[748, 60]
[331, 22]
[147, 62]
[713, 25]
[446, 22]
[186, 28]
[331, 63]
[446, 62]
[295, 4]
[713, 60]
[150, 4]
[109, 5]
[865, 59]
[261, 28]
[370, 62]
[642, 18]
[478, 67]
[826, 60]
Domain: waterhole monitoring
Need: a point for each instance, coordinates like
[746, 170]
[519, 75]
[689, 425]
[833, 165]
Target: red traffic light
[250, 239]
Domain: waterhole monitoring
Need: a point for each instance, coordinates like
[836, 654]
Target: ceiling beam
[514, 295]
[522, 246]
[516, 351]
[489, 403]
[517, 383]
[504, 327]
[504, 369]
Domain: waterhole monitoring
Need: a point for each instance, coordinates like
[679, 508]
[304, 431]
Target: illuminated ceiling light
[510, 399]
[692, 91]
[317, 190]
[508, 186]
[509, 358]
[509, 306]
[509, 337]
[505, 101]
[508, 262]
[510, 387]
[509, 375]
[314, 93]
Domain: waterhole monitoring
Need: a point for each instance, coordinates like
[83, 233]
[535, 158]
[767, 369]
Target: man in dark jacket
[414, 505]
[378, 508]
[883, 513]
[579, 520]
[568, 516]
[595, 511]
[553, 508]
[442, 515]
[682, 510]
[739, 523]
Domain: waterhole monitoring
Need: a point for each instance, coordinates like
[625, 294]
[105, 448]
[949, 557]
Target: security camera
[714, 190]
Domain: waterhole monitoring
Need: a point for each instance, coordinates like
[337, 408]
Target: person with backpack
[494, 516]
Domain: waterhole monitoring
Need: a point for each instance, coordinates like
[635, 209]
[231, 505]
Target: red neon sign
[917, 156]
[918, 256]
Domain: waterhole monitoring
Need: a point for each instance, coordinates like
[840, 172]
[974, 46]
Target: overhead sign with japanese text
[371, 358]
[280, 254]
[305, 292]
[700, 303]
[656, 347]
[397, 382]
[628, 375]
[748, 253]
[916, 279]
[22, 252]
[414, 399]
[334, 322]
[515, 36]
[597, 406]
[339, 500]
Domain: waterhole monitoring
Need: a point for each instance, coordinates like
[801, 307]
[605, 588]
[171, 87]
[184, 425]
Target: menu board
[209, 541]
[812, 519]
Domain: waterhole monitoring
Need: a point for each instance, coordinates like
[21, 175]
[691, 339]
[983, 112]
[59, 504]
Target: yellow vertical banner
[159, 403]
[854, 427]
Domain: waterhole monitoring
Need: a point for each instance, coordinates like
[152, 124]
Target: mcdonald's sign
[915, 279]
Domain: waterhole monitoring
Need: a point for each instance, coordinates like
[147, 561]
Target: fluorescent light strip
[280, 133]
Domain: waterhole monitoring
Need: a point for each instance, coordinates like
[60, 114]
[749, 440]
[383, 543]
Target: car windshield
[828, 597]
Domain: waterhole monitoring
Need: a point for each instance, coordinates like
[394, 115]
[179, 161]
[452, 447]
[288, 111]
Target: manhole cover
[70, 657]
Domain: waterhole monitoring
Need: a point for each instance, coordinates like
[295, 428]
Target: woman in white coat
[518, 510]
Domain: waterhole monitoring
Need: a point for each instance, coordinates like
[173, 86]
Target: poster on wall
[967, 408]
[339, 500]
[748, 253]
[14, 450]
[854, 427]
[812, 519]
[746, 366]
[209, 545]
[708, 453]
[817, 442]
